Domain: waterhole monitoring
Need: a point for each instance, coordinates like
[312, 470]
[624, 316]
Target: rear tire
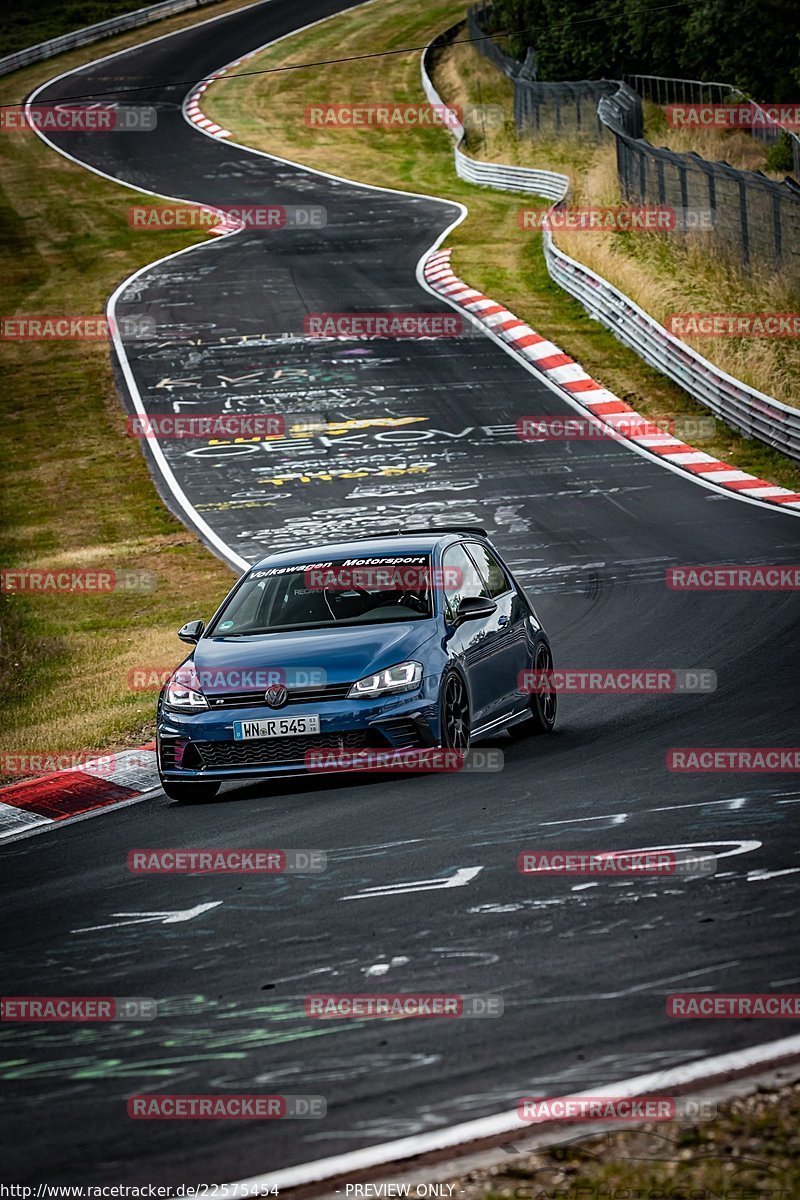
[189, 791]
[543, 704]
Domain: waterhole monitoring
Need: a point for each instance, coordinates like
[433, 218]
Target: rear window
[354, 591]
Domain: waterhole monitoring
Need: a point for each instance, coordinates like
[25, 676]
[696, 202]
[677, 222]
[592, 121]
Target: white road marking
[462, 877]
[175, 917]
[381, 968]
[733, 803]
[757, 876]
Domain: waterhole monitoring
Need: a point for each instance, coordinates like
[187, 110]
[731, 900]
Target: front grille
[304, 695]
[268, 752]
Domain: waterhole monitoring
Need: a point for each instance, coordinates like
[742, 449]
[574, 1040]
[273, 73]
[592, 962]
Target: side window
[460, 579]
[490, 569]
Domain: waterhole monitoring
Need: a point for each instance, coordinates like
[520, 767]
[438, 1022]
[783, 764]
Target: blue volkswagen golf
[415, 639]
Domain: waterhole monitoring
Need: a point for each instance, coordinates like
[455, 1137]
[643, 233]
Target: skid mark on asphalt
[650, 985]
[108, 1052]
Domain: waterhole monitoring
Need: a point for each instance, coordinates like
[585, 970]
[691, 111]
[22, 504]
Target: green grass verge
[491, 252]
[76, 492]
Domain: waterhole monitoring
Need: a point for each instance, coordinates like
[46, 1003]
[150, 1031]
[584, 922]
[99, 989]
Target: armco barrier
[95, 33]
[549, 184]
[746, 409]
[754, 413]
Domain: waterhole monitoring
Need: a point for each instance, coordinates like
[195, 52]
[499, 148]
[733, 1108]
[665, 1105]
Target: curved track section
[591, 529]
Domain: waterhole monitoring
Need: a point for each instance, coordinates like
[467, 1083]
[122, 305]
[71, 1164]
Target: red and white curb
[573, 380]
[191, 106]
[101, 783]
[195, 114]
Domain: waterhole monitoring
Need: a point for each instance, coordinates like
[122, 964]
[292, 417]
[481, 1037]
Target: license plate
[273, 727]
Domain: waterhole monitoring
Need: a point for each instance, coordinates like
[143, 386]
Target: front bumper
[201, 746]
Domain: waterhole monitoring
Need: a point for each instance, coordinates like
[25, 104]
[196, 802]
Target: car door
[512, 654]
[476, 643]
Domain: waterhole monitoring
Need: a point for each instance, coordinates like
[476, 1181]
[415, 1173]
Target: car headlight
[403, 677]
[184, 693]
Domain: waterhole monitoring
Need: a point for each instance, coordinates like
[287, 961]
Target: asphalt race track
[590, 528]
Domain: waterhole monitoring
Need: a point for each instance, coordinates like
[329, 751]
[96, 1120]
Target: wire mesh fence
[744, 214]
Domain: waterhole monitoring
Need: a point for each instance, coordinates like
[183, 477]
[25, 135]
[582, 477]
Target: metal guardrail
[549, 184]
[511, 179]
[752, 412]
[95, 33]
[746, 409]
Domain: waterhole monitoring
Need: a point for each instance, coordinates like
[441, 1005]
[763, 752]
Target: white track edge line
[386, 1153]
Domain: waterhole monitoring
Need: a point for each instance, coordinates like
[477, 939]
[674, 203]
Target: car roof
[377, 545]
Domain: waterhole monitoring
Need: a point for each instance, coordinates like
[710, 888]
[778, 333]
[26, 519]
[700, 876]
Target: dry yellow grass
[733, 146]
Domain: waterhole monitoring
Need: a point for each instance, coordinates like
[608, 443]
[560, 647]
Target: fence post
[745, 233]
[682, 171]
[776, 222]
[662, 191]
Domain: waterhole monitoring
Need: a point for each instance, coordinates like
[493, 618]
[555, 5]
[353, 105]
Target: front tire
[543, 704]
[454, 714]
[189, 792]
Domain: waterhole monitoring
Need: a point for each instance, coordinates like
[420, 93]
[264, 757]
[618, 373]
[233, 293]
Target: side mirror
[192, 631]
[472, 608]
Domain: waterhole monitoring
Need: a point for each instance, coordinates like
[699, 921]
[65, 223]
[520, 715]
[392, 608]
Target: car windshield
[318, 595]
